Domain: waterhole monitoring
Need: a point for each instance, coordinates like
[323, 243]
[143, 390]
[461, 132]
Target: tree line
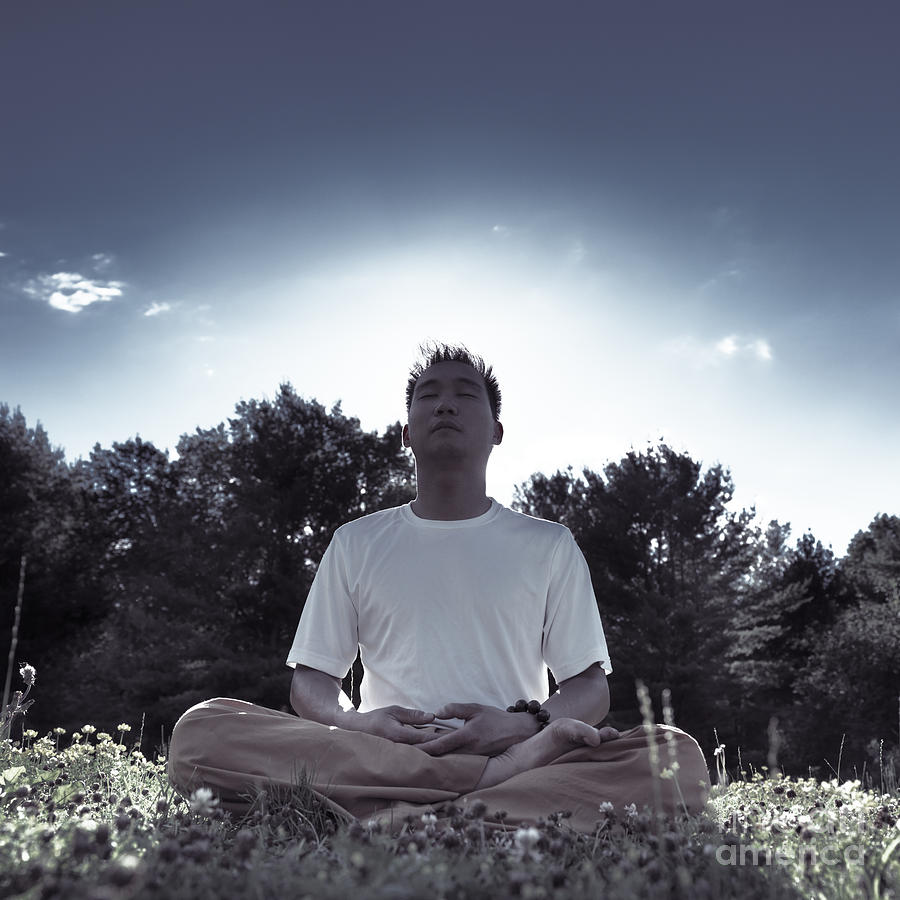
[155, 582]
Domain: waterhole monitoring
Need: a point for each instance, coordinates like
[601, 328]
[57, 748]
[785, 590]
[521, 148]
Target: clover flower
[203, 803]
[28, 673]
[526, 838]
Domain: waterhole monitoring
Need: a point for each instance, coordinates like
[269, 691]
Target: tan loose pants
[234, 748]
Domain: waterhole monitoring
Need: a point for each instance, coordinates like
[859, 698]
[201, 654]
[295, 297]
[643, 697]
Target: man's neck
[447, 499]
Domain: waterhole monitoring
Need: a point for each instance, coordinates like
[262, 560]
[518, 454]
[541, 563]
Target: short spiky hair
[432, 353]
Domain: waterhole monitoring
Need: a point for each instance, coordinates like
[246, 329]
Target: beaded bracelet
[534, 707]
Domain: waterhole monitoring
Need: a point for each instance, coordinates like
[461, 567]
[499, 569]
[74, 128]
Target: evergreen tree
[795, 596]
[849, 690]
[40, 518]
[668, 561]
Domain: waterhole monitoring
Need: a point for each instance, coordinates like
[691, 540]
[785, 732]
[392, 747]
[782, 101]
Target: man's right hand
[392, 722]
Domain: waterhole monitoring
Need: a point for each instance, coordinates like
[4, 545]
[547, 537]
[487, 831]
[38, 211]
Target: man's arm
[314, 696]
[584, 696]
[490, 731]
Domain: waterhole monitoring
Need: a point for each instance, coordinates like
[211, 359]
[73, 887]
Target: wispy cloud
[72, 292]
[727, 346]
[761, 349]
[2, 254]
[717, 352]
[101, 261]
[731, 273]
[156, 308]
[500, 230]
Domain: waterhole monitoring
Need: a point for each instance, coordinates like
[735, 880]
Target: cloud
[157, 308]
[101, 261]
[761, 348]
[500, 230]
[72, 292]
[733, 346]
[712, 353]
[727, 346]
[729, 274]
[2, 254]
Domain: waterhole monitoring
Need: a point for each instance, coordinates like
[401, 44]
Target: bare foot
[559, 737]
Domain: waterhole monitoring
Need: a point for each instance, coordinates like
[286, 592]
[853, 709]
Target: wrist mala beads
[533, 707]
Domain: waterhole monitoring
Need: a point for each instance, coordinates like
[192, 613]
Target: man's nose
[445, 403]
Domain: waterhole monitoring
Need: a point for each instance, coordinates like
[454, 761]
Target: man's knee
[190, 743]
[681, 760]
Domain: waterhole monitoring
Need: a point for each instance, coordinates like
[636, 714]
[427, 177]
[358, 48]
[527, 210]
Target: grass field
[84, 816]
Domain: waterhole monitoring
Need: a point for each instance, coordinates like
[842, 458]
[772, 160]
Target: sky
[656, 220]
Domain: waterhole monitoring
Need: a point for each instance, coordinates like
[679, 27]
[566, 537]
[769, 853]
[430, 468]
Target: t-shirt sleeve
[573, 636]
[327, 636]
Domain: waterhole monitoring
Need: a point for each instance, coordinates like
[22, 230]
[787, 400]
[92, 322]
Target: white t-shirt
[463, 611]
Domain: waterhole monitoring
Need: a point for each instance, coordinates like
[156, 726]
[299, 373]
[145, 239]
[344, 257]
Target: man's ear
[405, 436]
[498, 432]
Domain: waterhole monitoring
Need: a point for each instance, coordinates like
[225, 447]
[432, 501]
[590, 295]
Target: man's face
[450, 416]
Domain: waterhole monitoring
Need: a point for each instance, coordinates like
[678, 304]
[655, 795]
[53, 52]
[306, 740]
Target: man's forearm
[314, 696]
[584, 697]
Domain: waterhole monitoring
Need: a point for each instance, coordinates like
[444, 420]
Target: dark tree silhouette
[668, 562]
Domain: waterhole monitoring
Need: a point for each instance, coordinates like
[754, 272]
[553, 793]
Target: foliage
[818, 646]
[40, 518]
[849, 685]
[204, 561]
[668, 561]
[872, 562]
[794, 597]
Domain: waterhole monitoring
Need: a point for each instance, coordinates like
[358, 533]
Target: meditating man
[457, 606]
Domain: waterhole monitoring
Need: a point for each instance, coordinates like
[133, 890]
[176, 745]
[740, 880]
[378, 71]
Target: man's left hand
[488, 731]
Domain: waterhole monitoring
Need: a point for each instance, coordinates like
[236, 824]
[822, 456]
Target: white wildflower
[28, 674]
[526, 838]
[203, 803]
